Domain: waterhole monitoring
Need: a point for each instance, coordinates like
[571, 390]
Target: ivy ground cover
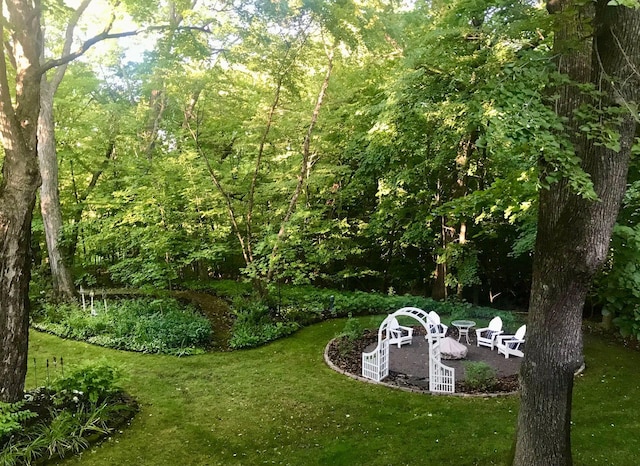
[280, 404]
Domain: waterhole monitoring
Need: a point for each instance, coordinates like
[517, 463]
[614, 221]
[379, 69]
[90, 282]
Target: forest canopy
[360, 145]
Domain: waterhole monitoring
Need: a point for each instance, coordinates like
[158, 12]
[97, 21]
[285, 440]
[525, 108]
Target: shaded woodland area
[369, 147]
[374, 148]
[475, 150]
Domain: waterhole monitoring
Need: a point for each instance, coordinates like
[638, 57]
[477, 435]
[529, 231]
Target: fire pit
[451, 349]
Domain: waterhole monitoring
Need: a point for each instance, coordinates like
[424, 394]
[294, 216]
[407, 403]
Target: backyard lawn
[280, 404]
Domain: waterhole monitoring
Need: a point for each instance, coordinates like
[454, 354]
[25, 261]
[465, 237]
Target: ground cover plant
[64, 417]
[283, 309]
[281, 404]
[145, 324]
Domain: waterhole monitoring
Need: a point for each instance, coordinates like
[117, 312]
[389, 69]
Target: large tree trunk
[20, 181]
[573, 232]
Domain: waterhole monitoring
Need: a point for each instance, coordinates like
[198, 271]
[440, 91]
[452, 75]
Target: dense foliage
[63, 418]
[359, 146]
[289, 308]
[146, 325]
[618, 288]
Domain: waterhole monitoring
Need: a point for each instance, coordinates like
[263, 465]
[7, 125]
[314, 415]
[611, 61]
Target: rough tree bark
[20, 181]
[573, 232]
[23, 49]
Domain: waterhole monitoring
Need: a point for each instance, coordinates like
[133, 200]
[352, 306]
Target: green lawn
[280, 404]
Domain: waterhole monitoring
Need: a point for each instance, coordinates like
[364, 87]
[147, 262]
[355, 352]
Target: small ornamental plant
[479, 376]
[351, 333]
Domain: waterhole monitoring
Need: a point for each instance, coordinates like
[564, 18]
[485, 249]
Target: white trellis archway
[375, 364]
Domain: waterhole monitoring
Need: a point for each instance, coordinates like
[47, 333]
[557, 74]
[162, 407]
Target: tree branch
[68, 41]
[105, 35]
[86, 46]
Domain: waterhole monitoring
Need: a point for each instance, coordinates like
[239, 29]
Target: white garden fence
[375, 364]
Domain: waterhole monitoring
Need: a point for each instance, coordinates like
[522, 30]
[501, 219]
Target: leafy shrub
[287, 308]
[146, 325]
[75, 410]
[479, 376]
[95, 382]
[255, 325]
[351, 333]
[247, 336]
[619, 287]
[352, 329]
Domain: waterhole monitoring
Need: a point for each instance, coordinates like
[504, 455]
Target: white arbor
[375, 365]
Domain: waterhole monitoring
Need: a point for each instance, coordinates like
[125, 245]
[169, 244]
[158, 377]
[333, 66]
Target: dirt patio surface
[413, 360]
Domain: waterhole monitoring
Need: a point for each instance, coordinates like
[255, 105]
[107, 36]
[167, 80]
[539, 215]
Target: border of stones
[359, 378]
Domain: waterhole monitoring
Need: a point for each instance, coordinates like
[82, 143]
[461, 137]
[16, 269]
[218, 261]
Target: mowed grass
[280, 404]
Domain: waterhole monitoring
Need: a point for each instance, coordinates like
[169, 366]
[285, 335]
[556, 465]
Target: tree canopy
[428, 147]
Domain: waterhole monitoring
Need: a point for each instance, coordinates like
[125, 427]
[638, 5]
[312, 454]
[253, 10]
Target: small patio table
[463, 327]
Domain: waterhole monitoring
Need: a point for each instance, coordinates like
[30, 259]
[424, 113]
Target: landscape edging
[359, 378]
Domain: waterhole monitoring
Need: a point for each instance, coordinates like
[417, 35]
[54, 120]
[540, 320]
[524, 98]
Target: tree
[63, 286]
[19, 113]
[20, 181]
[596, 44]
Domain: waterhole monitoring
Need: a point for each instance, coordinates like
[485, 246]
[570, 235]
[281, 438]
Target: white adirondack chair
[487, 336]
[437, 327]
[399, 334]
[509, 345]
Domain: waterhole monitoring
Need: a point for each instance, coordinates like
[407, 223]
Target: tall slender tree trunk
[439, 289]
[20, 181]
[573, 232]
[62, 281]
[256, 171]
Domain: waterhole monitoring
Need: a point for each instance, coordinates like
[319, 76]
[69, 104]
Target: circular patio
[409, 365]
[412, 361]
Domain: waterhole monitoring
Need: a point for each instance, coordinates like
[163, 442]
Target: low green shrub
[256, 324]
[95, 382]
[479, 376]
[352, 330]
[351, 333]
[250, 336]
[75, 410]
[145, 325]
[286, 308]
